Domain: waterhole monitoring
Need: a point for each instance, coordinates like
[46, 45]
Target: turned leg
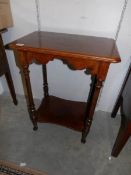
[30, 101]
[45, 83]
[122, 138]
[91, 104]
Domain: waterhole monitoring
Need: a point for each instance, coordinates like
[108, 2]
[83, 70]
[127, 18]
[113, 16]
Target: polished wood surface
[79, 52]
[5, 70]
[124, 103]
[61, 44]
[63, 112]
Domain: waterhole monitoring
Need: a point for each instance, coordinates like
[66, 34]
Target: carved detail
[31, 106]
[93, 58]
[83, 64]
[39, 58]
[73, 63]
[45, 82]
[99, 84]
[26, 71]
[92, 100]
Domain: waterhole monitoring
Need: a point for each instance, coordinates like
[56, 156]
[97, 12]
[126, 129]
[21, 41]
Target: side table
[94, 54]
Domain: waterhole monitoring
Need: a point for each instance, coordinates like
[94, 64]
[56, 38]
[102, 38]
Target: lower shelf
[62, 112]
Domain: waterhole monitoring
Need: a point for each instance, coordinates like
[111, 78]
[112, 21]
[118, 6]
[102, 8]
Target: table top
[59, 44]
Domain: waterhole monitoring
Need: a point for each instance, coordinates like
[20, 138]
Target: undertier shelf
[62, 112]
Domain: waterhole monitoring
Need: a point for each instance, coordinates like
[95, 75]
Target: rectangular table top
[102, 49]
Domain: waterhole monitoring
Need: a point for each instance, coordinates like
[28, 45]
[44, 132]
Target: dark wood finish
[63, 112]
[123, 102]
[79, 52]
[93, 94]
[120, 98]
[5, 70]
[30, 101]
[45, 84]
[68, 45]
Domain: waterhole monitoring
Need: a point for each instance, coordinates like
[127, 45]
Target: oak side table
[94, 54]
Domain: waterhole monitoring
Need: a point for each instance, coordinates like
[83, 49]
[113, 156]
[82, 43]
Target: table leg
[6, 71]
[45, 83]
[117, 106]
[11, 86]
[92, 100]
[30, 101]
[120, 98]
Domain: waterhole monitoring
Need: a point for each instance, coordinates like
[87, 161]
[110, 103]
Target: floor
[58, 150]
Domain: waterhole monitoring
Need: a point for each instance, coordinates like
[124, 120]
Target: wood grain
[63, 112]
[94, 54]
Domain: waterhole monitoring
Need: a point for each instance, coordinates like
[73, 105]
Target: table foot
[15, 101]
[83, 140]
[84, 135]
[33, 118]
[35, 128]
[86, 130]
[34, 121]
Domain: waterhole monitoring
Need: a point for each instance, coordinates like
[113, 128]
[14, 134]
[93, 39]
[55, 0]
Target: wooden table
[79, 52]
[4, 68]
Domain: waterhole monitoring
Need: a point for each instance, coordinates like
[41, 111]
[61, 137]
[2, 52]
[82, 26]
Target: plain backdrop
[87, 17]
